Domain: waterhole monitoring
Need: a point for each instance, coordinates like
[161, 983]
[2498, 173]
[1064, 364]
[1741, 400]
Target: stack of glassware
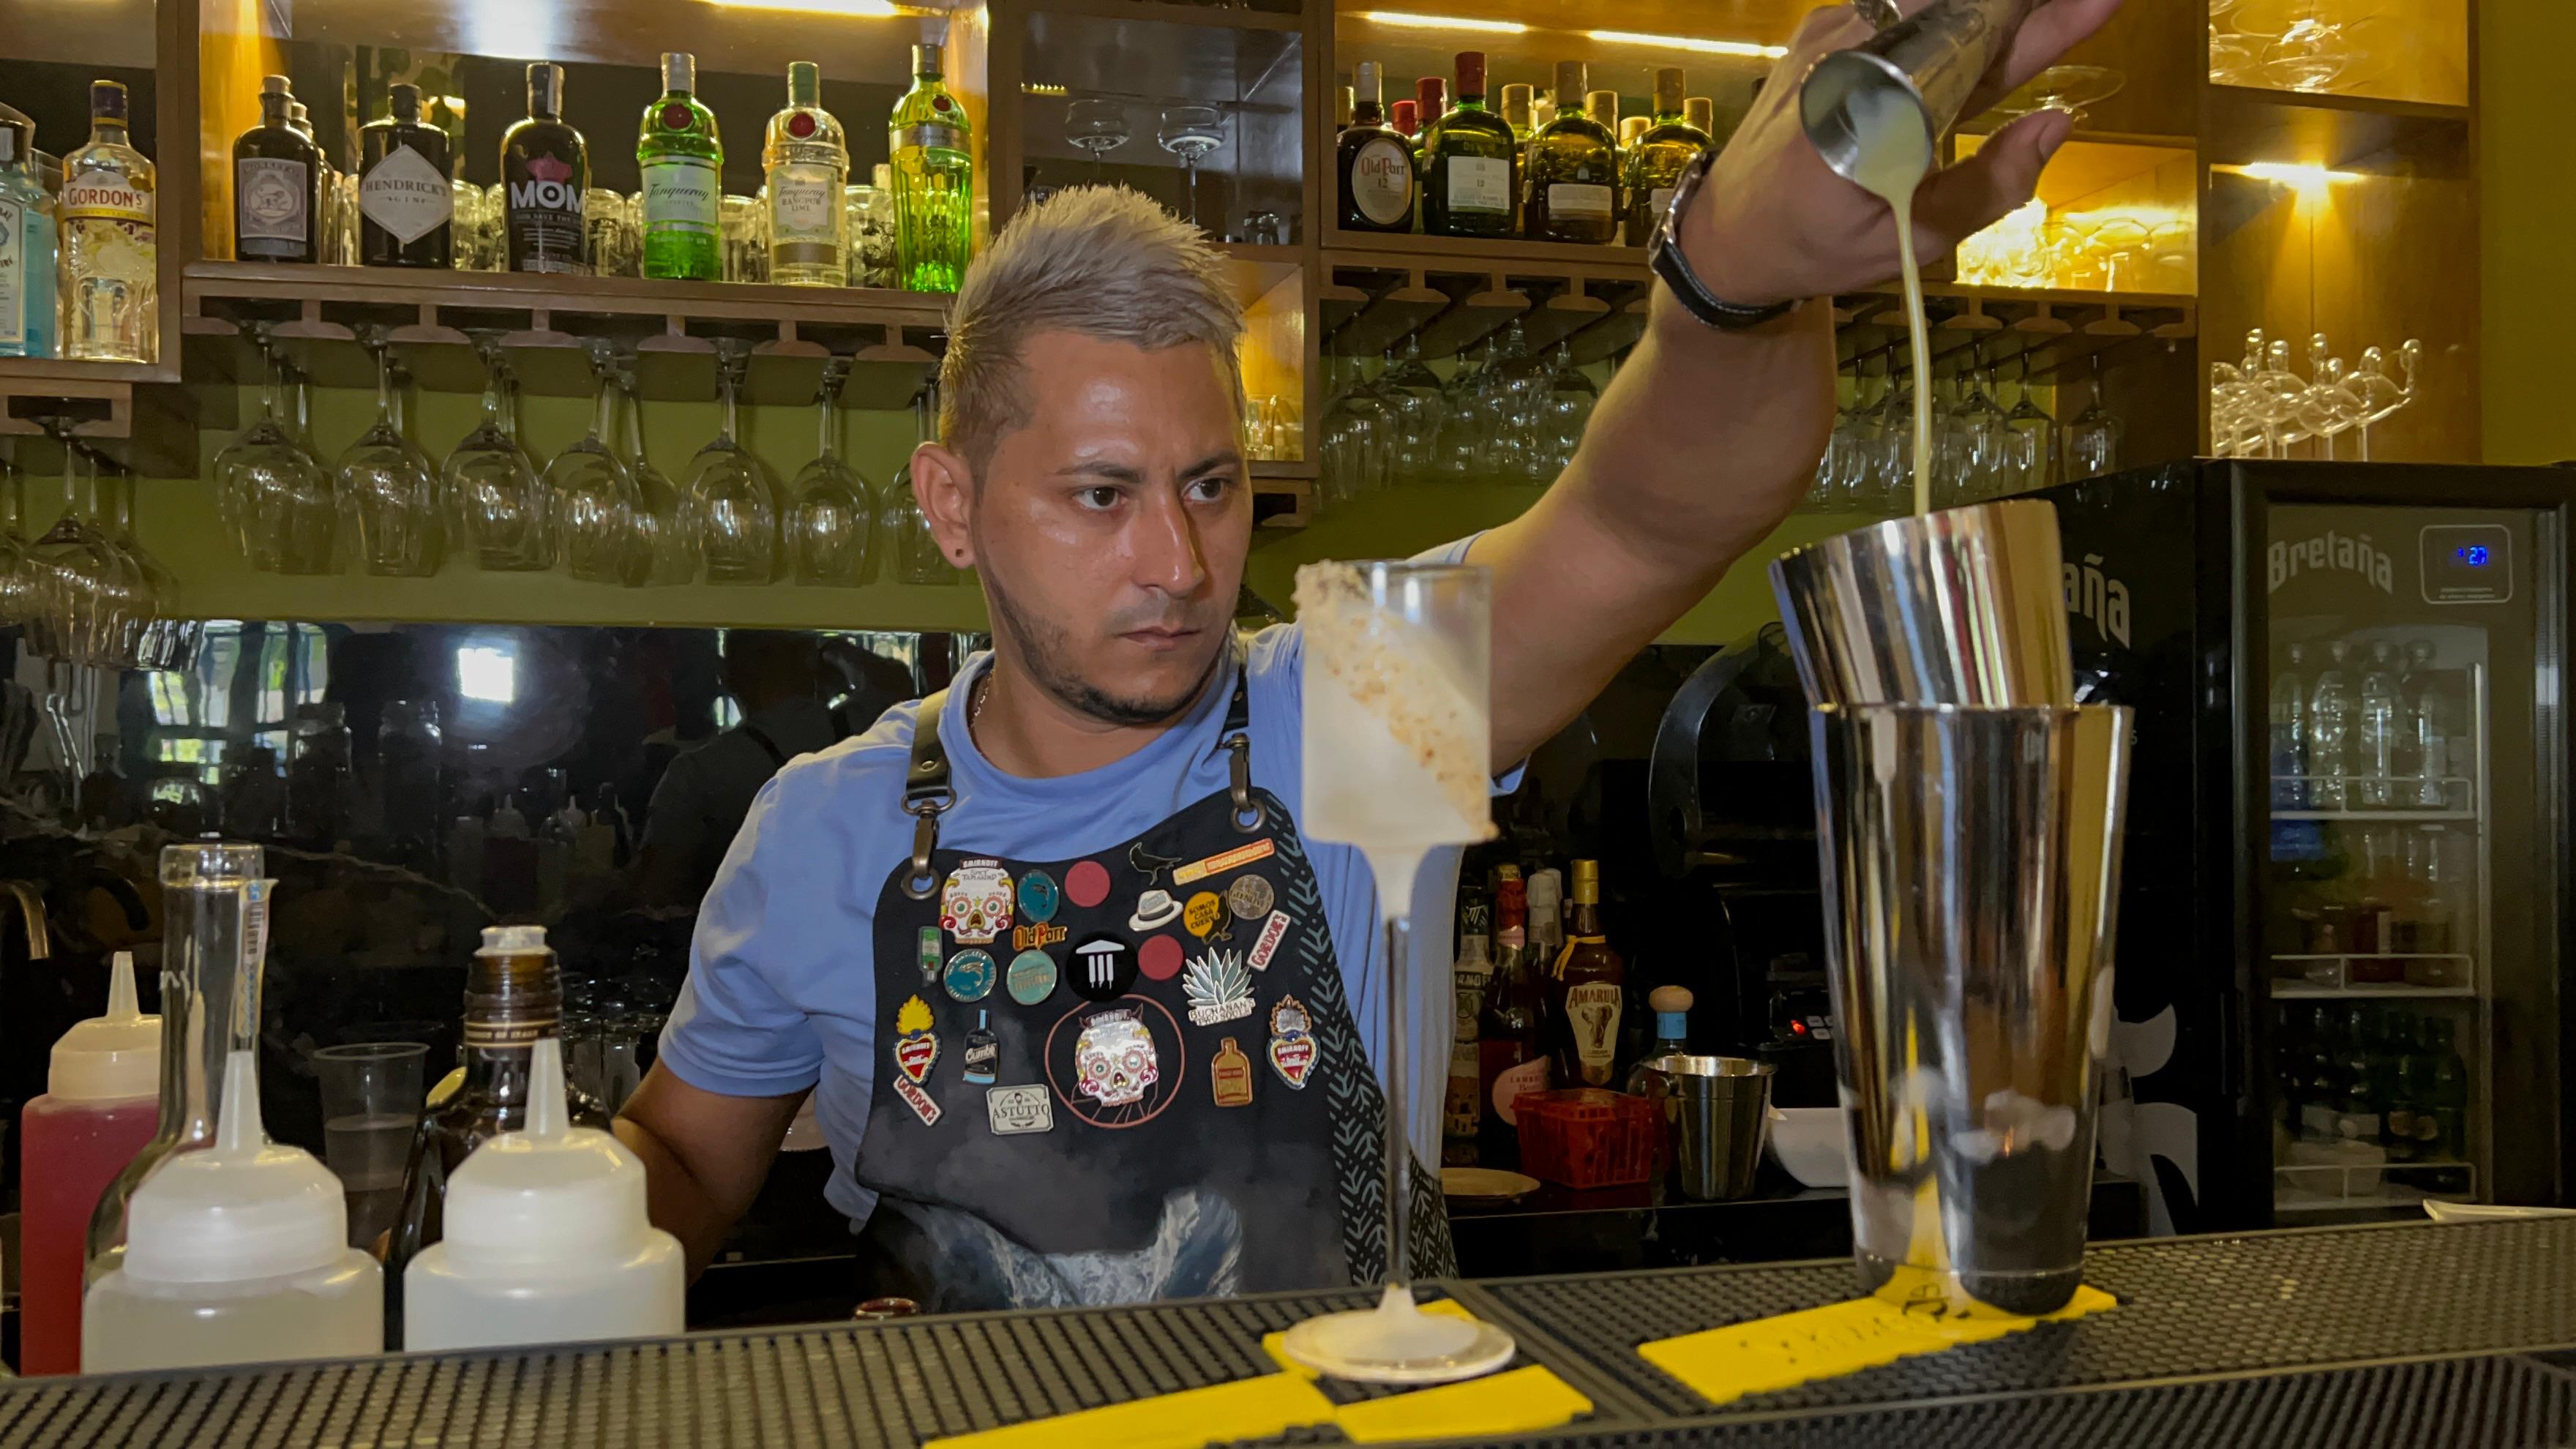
[2260, 408]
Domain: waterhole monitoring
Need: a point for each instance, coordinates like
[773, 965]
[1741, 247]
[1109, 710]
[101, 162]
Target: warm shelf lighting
[863, 9]
[1040, 88]
[2302, 179]
[1684, 42]
[1444, 22]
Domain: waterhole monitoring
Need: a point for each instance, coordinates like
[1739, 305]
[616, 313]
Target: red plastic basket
[1588, 1137]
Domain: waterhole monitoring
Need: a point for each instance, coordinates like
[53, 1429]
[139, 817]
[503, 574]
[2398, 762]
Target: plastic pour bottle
[546, 1240]
[235, 1254]
[100, 1105]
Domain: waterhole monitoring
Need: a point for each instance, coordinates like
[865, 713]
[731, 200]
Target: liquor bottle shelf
[2426, 816]
[2391, 991]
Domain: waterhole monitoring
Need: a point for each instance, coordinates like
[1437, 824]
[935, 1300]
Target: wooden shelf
[1283, 493]
[134, 402]
[2343, 133]
[1199, 16]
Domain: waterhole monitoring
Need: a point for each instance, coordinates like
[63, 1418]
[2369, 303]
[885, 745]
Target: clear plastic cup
[371, 1101]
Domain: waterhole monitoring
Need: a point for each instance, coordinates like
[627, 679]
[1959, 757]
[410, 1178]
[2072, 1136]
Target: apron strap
[1249, 814]
[760, 737]
[925, 795]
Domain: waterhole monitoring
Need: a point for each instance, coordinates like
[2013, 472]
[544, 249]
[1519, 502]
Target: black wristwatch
[1664, 254]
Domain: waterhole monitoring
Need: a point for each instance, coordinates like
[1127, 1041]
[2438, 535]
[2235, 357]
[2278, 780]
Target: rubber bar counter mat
[2463, 1403]
[2187, 1306]
[893, 1385]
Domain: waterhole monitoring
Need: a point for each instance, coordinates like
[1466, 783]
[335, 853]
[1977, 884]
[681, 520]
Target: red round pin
[1159, 958]
[1087, 883]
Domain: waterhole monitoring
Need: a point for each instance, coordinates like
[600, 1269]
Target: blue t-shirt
[781, 993]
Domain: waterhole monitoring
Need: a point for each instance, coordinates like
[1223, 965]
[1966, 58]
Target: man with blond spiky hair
[1080, 863]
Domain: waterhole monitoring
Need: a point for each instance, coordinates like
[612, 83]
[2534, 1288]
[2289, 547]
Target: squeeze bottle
[100, 1105]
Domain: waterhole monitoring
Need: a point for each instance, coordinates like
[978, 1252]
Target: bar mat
[1788, 1349]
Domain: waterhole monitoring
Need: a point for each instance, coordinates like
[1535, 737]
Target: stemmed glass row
[1505, 414]
[1983, 449]
[2260, 408]
[599, 510]
[88, 591]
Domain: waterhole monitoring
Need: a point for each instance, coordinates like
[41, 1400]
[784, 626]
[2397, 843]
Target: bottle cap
[111, 1058]
[1430, 98]
[1516, 105]
[107, 101]
[1701, 112]
[679, 72]
[1570, 85]
[1546, 894]
[244, 1208]
[1603, 108]
[1406, 115]
[404, 102]
[804, 83]
[17, 139]
[1631, 128]
[1371, 82]
[1668, 90]
[545, 89]
[1471, 73]
[926, 62]
[275, 85]
[549, 1194]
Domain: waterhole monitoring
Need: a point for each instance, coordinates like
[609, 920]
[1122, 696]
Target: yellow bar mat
[1789, 1349]
[1515, 1401]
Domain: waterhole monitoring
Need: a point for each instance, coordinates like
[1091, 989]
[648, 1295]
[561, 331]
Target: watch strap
[1664, 255]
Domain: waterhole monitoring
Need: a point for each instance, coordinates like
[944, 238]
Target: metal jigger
[1964, 606]
[1935, 58]
[1968, 828]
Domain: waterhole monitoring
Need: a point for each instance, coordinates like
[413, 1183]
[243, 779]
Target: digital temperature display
[2467, 563]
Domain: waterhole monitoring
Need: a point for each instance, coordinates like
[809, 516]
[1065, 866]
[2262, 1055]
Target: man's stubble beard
[1042, 647]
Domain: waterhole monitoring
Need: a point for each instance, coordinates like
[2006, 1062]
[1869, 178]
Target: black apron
[1126, 1076]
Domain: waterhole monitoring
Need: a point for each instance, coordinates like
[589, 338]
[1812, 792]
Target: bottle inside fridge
[2400, 697]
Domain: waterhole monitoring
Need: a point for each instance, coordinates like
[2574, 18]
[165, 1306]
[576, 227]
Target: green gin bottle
[683, 163]
[934, 180]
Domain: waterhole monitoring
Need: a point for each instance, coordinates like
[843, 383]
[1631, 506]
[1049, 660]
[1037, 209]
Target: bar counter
[2386, 1336]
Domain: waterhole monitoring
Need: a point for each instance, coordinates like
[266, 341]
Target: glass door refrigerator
[2345, 900]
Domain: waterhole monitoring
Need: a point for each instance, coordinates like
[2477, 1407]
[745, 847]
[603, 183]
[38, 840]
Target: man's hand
[1707, 439]
[705, 1155]
[1773, 223]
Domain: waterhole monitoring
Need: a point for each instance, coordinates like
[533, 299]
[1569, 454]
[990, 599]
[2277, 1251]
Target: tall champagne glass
[1399, 729]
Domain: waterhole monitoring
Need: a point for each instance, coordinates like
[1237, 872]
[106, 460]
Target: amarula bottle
[277, 184]
[934, 180]
[1470, 163]
[26, 244]
[110, 254]
[1656, 162]
[1375, 163]
[1586, 990]
[1573, 191]
[513, 1000]
[545, 169]
[807, 161]
[406, 203]
[682, 159]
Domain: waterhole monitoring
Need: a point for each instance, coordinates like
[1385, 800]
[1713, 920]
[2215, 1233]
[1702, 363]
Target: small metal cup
[1966, 606]
[1970, 862]
[1716, 1109]
[1934, 59]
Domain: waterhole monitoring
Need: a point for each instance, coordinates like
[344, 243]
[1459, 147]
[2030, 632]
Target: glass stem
[384, 385]
[634, 422]
[600, 415]
[492, 389]
[1399, 1058]
[830, 414]
[725, 380]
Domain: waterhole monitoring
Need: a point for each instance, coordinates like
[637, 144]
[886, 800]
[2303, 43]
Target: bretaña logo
[2091, 595]
[2352, 553]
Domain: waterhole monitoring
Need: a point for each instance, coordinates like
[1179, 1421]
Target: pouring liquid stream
[1895, 154]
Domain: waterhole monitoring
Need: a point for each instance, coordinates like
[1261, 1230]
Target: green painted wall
[2527, 201]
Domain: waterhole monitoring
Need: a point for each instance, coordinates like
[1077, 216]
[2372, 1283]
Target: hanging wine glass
[504, 523]
[284, 504]
[19, 595]
[732, 500]
[834, 518]
[266, 430]
[1191, 132]
[594, 496]
[2093, 438]
[903, 528]
[2068, 88]
[87, 583]
[2033, 438]
[389, 488]
[664, 548]
[1569, 402]
[155, 634]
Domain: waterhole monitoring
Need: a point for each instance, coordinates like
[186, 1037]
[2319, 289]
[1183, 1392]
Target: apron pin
[1148, 863]
[970, 974]
[975, 904]
[1032, 977]
[1230, 1073]
[1155, 909]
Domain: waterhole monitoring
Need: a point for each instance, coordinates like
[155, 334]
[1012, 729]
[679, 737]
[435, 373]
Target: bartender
[1084, 1017]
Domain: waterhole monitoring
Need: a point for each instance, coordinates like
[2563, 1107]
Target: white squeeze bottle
[545, 1240]
[235, 1254]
